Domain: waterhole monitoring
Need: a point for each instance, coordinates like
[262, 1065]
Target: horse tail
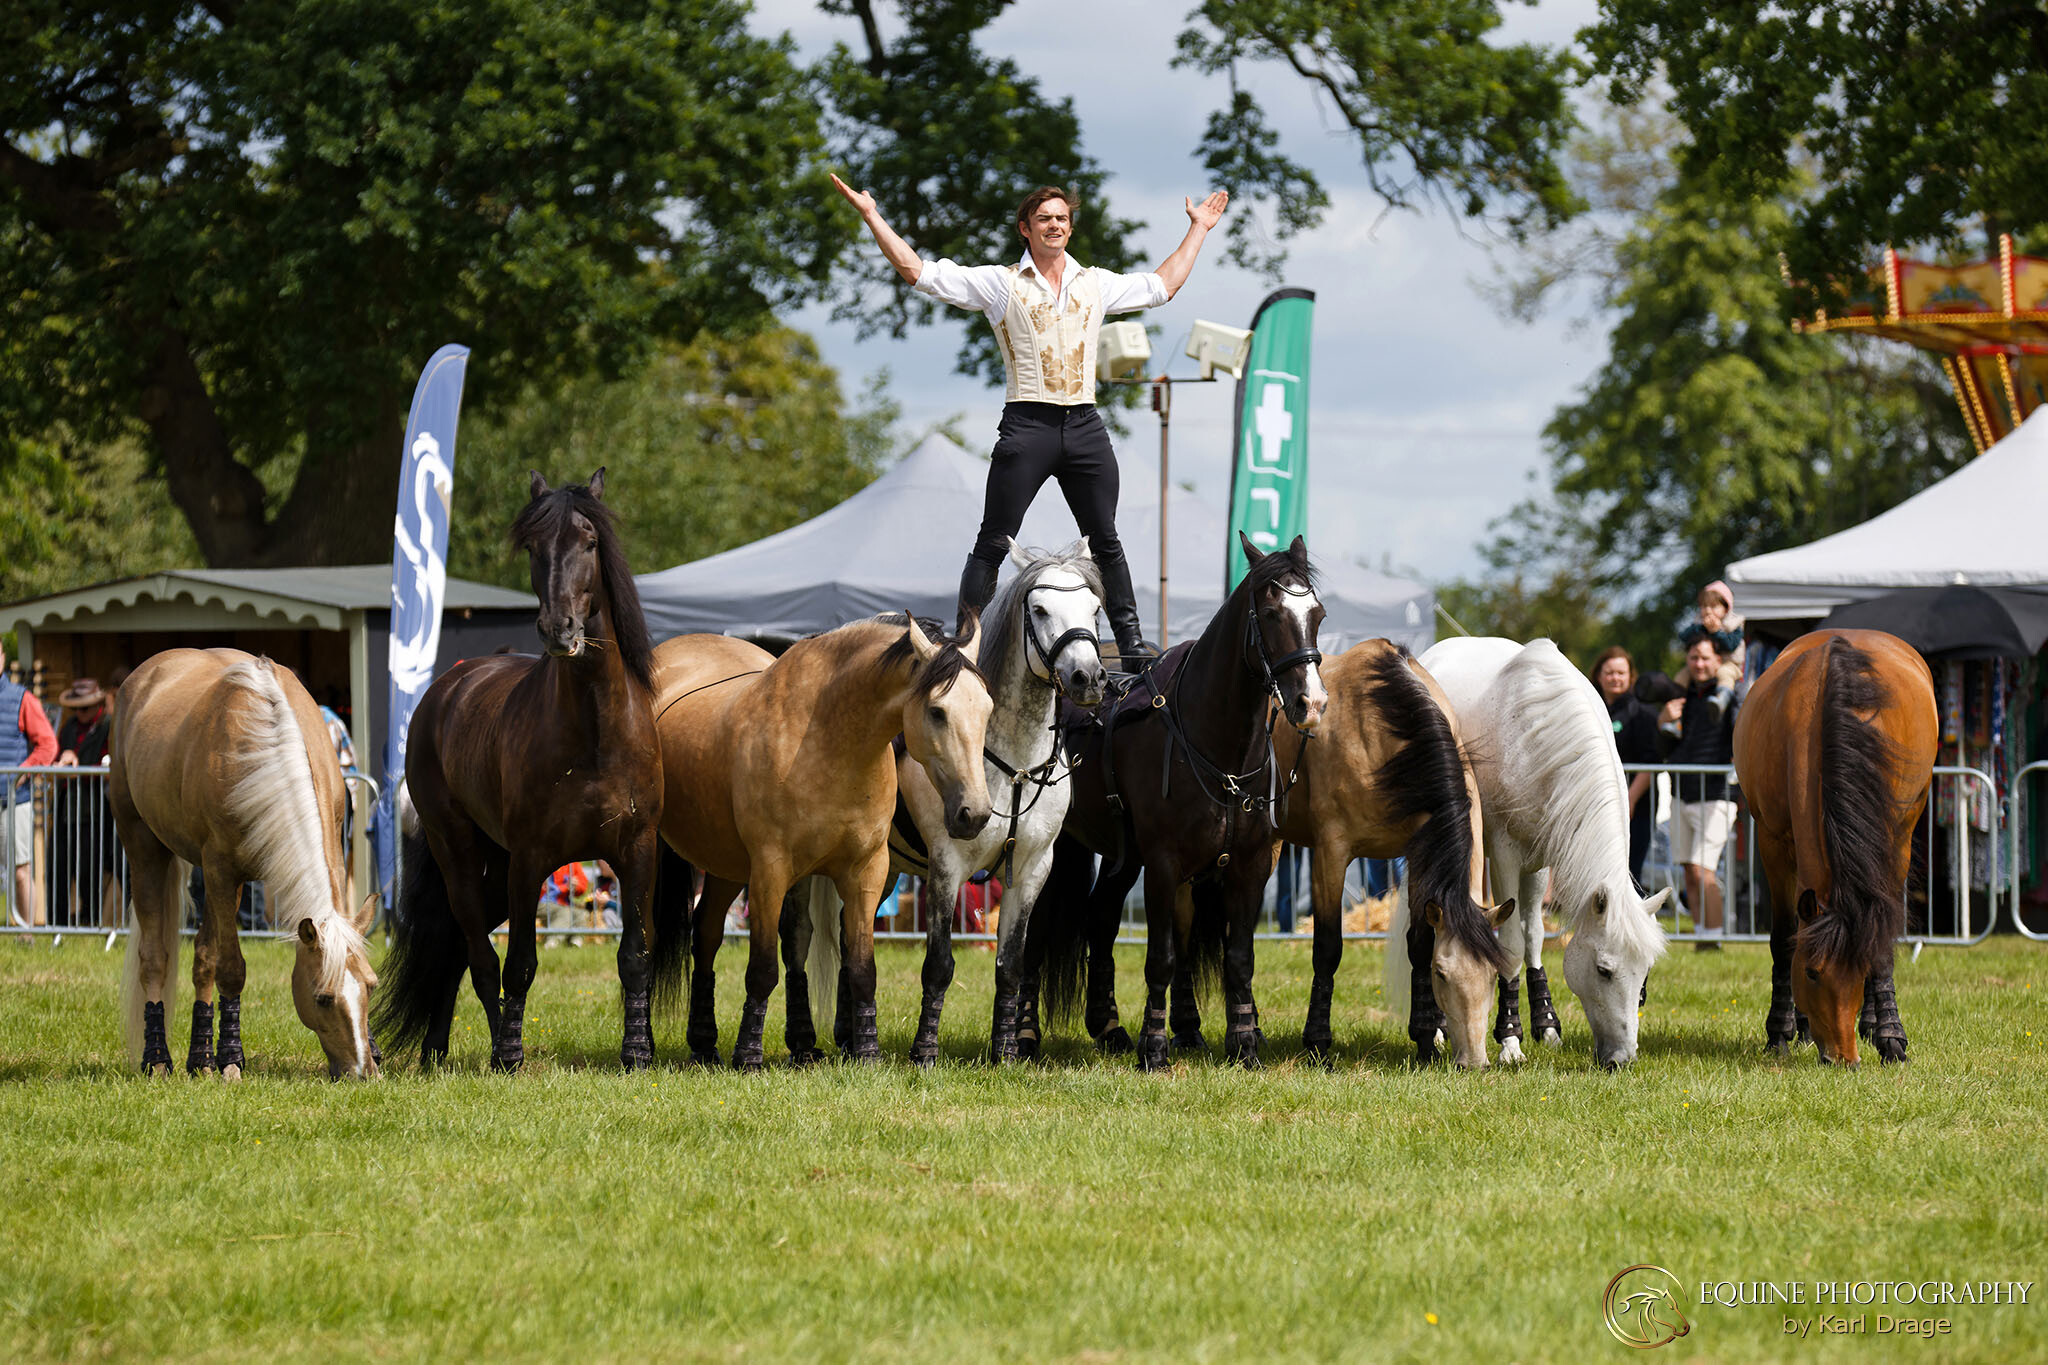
[1859, 817]
[1394, 979]
[176, 901]
[675, 884]
[428, 952]
[1426, 777]
[1208, 930]
[1058, 929]
[822, 910]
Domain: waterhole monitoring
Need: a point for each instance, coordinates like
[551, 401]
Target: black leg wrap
[1888, 1036]
[1804, 1031]
[1542, 1014]
[867, 1040]
[156, 1048]
[842, 1013]
[229, 1052]
[1241, 1036]
[747, 1052]
[1425, 1020]
[1315, 1034]
[1152, 1047]
[1508, 1022]
[1187, 1021]
[508, 1049]
[1002, 1038]
[199, 1057]
[702, 1033]
[1866, 1018]
[924, 1049]
[1027, 1025]
[636, 1044]
[1101, 1016]
[799, 1034]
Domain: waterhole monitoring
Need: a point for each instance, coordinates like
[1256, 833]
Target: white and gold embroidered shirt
[1047, 338]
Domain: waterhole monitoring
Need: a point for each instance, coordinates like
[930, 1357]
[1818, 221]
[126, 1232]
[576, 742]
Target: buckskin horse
[781, 768]
[1835, 747]
[1552, 795]
[519, 764]
[222, 760]
[1176, 778]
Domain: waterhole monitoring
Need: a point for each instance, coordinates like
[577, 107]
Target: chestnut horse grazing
[781, 768]
[221, 759]
[1386, 778]
[1835, 749]
[517, 765]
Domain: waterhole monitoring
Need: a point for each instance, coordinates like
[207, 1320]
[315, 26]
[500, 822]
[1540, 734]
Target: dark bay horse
[1176, 780]
[1835, 747]
[518, 764]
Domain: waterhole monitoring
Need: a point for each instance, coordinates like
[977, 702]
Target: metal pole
[1162, 403]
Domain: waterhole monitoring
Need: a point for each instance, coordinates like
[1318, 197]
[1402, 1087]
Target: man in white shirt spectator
[1046, 311]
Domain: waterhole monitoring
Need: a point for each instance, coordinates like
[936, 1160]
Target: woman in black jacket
[1635, 738]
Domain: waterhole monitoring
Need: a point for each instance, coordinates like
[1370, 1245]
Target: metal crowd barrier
[79, 879]
[2015, 822]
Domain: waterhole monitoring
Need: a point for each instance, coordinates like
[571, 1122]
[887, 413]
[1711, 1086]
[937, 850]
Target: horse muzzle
[563, 642]
[966, 819]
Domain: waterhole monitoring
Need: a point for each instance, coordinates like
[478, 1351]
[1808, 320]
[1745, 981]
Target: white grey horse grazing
[1038, 643]
[1552, 795]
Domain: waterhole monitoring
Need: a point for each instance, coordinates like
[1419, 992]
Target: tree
[73, 513]
[713, 445]
[1714, 431]
[1920, 120]
[241, 227]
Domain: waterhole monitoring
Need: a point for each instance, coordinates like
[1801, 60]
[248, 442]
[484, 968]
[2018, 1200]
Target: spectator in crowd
[26, 741]
[1719, 625]
[1635, 739]
[1702, 816]
[81, 831]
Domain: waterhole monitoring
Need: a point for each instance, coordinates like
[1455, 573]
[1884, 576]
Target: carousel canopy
[1980, 525]
[899, 543]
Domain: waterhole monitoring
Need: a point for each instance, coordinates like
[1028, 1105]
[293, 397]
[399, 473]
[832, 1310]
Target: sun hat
[82, 692]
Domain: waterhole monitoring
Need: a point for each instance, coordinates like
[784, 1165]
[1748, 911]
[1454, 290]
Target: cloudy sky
[1426, 404]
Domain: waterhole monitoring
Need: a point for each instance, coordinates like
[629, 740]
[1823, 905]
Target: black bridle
[1059, 646]
[1270, 667]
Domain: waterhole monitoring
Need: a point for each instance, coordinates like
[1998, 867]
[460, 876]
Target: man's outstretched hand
[865, 202]
[1204, 215]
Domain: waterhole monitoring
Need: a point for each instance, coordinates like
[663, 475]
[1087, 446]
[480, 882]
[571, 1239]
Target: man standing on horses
[1046, 311]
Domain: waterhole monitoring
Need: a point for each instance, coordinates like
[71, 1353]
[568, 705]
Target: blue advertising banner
[419, 575]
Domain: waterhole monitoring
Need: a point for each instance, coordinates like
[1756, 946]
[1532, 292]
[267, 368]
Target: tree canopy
[1920, 121]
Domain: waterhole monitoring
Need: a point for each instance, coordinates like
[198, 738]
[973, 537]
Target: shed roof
[293, 597]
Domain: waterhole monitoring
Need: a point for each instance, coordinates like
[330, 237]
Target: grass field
[1074, 1210]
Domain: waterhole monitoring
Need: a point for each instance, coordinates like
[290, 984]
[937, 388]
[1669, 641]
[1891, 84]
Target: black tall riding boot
[1121, 607]
[977, 586]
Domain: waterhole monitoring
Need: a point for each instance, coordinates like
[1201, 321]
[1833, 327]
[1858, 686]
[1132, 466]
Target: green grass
[1075, 1210]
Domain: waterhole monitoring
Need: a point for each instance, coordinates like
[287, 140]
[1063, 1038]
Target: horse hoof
[1510, 1051]
[1115, 1043]
[1153, 1053]
[799, 1058]
[508, 1065]
[924, 1059]
[705, 1057]
[1891, 1049]
[1190, 1041]
[1778, 1047]
[635, 1062]
[753, 1065]
[156, 1069]
[1027, 1050]
[1552, 1038]
[231, 1073]
[1244, 1051]
[1426, 1051]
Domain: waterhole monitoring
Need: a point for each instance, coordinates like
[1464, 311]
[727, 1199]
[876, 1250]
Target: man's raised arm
[1173, 271]
[893, 247]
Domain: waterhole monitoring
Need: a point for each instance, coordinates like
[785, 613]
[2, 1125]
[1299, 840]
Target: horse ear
[308, 935]
[1600, 901]
[919, 641]
[1298, 551]
[536, 486]
[1081, 548]
[1809, 906]
[968, 638]
[1434, 913]
[597, 484]
[1502, 913]
[1654, 904]
[1252, 553]
[366, 914]
[1017, 555]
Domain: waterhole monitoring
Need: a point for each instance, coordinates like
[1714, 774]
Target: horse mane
[1579, 805]
[1003, 622]
[270, 795]
[547, 516]
[1426, 777]
[942, 670]
[1858, 816]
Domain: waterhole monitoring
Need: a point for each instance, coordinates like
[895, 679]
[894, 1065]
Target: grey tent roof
[303, 596]
[899, 543]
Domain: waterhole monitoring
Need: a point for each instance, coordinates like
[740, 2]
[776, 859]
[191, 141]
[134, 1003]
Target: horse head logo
[1642, 1307]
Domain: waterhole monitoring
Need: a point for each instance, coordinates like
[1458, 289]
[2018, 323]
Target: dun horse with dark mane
[1835, 749]
[517, 765]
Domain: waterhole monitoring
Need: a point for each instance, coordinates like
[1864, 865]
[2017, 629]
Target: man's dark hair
[1039, 196]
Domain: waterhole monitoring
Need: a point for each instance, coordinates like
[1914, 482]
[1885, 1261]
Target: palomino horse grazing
[1552, 794]
[222, 760]
[781, 768]
[1386, 778]
[1150, 791]
[517, 765]
[1835, 749]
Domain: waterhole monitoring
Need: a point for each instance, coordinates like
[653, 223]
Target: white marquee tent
[899, 543]
[1981, 525]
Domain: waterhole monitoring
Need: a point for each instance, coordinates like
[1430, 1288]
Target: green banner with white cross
[1269, 469]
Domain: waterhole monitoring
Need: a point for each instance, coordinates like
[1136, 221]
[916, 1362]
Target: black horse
[1176, 780]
